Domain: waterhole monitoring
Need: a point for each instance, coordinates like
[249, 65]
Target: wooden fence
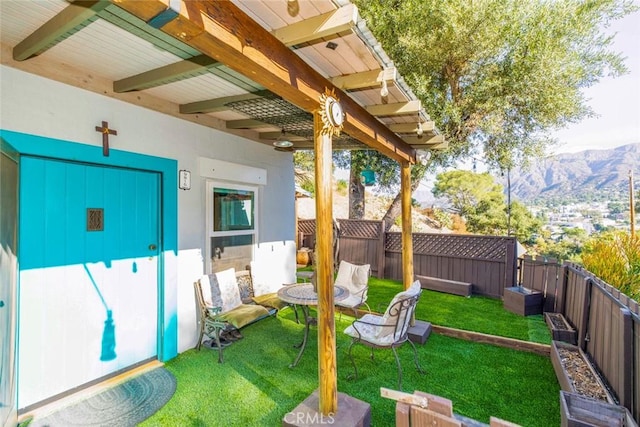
[607, 322]
[488, 262]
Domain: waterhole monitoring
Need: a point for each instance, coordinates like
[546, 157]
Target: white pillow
[353, 277]
[390, 318]
[266, 279]
[205, 287]
[228, 289]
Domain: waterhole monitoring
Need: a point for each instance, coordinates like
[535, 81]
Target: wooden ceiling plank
[319, 27]
[214, 105]
[395, 109]
[221, 30]
[365, 79]
[71, 19]
[412, 127]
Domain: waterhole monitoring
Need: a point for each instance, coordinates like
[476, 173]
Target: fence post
[583, 328]
[626, 359]
[561, 304]
[381, 250]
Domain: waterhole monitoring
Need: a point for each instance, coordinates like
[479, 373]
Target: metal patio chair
[388, 331]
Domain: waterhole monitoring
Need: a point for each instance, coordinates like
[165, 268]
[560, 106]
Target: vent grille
[95, 219]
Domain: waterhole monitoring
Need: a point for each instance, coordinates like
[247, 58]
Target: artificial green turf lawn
[476, 313]
[255, 386]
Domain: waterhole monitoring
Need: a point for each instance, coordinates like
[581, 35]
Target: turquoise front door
[88, 302]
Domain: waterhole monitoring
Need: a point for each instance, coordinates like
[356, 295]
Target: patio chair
[389, 330]
[355, 278]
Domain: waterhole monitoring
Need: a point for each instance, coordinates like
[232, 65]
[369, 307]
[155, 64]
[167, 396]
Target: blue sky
[615, 101]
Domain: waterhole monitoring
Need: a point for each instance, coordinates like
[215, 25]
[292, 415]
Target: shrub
[615, 258]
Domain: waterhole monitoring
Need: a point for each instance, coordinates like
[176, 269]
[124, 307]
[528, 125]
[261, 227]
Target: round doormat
[126, 404]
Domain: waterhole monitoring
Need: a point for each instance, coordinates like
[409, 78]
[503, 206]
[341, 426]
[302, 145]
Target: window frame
[210, 187]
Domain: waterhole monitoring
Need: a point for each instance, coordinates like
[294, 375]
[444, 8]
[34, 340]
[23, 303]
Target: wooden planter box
[590, 385]
[580, 411]
[522, 301]
[560, 329]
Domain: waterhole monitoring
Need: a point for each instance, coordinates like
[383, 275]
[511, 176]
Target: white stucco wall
[34, 105]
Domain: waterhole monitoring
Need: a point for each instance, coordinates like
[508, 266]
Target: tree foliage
[481, 201]
[497, 76]
[615, 258]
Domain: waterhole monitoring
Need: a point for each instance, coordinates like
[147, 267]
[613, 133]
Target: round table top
[303, 294]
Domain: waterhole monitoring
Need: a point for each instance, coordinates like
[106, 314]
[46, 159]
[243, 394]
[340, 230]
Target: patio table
[304, 295]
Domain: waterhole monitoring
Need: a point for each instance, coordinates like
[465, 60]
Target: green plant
[615, 258]
[341, 187]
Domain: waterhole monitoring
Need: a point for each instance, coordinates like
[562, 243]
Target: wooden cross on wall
[105, 137]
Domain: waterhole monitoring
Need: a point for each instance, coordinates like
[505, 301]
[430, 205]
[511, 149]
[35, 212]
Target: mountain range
[583, 176]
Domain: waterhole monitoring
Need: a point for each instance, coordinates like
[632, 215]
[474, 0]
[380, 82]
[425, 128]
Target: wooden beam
[213, 105]
[172, 72]
[426, 140]
[412, 127]
[327, 371]
[70, 20]
[246, 124]
[365, 79]
[222, 31]
[396, 109]
[319, 27]
[407, 232]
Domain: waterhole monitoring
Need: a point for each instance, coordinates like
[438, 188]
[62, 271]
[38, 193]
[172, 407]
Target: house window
[231, 225]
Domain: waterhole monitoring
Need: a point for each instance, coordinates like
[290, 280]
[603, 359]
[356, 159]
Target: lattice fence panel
[473, 247]
[362, 229]
[307, 226]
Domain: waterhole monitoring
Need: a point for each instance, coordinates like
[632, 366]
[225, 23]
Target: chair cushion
[352, 301]
[229, 291]
[392, 318]
[353, 277]
[270, 300]
[369, 332]
[413, 290]
[244, 314]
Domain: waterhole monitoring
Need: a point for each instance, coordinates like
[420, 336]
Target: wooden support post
[407, 236]
[327, 373]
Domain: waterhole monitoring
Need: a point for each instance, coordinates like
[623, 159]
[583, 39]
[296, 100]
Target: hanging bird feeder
[368, 177]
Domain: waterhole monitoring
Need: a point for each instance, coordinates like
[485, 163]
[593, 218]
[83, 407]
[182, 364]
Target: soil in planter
[581, 375]
[558, 321]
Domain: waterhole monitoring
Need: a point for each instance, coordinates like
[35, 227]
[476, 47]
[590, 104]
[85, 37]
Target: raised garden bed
[580, 411]
[560, 329]
[522, 301]
[448, 286]
[575, 374]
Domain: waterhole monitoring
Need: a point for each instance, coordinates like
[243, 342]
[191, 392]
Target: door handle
[152, 247]
[1, 303]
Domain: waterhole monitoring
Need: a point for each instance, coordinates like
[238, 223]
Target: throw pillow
[243, 278]
[215, 299]
[228, 289]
